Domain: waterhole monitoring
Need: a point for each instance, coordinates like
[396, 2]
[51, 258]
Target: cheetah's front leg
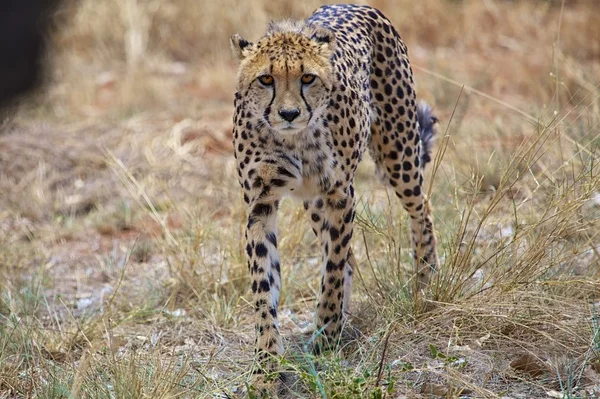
[263, 264]
[335, 232]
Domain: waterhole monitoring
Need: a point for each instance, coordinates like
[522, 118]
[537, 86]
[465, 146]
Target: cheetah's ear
[325, 39]
[240, 47]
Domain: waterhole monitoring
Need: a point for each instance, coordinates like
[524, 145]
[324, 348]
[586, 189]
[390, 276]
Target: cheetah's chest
[319, 173]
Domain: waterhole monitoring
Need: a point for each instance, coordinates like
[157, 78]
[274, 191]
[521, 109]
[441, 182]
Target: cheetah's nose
[289, 114]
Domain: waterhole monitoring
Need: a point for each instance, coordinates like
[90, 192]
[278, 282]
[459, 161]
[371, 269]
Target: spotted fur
[312, 97]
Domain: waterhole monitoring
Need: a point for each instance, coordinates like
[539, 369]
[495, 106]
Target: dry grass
[121, 242]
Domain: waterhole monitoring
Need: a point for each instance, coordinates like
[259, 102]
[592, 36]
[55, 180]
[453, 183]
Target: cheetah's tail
[427, 122]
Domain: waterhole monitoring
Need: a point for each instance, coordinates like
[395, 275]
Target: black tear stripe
[308, 108]
[268, 109]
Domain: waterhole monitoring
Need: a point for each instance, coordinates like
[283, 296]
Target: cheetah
[311, 97]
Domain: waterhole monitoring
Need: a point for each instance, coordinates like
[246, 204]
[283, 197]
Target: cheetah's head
[286, 77]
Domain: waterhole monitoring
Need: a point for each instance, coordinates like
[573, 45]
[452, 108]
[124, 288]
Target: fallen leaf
[54, 355]
[481, 340]
[590, 376]
[529, 364]
[596, 365]
[429, 388]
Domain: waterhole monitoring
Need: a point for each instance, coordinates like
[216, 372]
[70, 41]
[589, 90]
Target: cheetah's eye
[307, 79]
[266, 80]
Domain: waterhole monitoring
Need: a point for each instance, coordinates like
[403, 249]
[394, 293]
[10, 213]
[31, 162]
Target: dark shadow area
[23, 31]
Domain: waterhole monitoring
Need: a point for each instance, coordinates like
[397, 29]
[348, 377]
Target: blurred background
[121, 220]
[137, 55]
